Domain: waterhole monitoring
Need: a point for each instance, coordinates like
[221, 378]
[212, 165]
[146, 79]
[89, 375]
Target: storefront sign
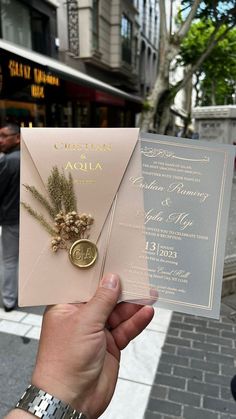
[38, 77]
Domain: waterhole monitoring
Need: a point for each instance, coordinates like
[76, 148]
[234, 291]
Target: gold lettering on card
[83, 166]
[83, 147]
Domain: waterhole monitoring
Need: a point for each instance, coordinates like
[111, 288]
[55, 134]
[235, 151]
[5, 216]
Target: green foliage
[194, 44]
[211, 20]
[146, 106]
[217, 11]
[218, 70]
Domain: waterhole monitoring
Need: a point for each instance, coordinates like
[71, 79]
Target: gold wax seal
[83, 253]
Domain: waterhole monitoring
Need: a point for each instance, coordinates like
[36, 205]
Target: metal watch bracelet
[42, 405]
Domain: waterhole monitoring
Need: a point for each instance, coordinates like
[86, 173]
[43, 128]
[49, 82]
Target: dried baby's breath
[70, 227]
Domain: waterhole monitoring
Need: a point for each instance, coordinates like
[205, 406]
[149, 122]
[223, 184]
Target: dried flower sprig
[61, 205]
[69, 198]
[70, 227]
[40, 218]
[41, 199]
[61, 191]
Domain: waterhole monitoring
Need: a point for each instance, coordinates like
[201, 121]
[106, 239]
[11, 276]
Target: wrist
[18, 414]
[57, 388]
[41, 404]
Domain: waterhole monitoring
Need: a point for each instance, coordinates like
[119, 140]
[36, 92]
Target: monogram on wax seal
[83, 253]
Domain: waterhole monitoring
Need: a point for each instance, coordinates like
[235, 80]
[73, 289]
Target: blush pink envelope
[97, 159]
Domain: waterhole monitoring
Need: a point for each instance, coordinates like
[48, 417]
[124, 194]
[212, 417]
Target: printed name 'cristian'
[139, 181]
[82, 147]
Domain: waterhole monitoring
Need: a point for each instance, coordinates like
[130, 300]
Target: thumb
[105, 299]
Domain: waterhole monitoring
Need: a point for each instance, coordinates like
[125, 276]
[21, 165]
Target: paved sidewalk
[197, 363]
[178, 372]
[19, 333]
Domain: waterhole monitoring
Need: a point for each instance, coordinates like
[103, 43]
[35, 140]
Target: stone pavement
[178, 372]
[196, 366]
[137, 371]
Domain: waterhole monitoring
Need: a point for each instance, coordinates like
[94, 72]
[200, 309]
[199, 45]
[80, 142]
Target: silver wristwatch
[43, 405]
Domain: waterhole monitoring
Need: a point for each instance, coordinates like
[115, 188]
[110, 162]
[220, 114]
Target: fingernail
[109, 281]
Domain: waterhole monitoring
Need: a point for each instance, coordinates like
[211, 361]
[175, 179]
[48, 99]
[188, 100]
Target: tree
[156, 110]
[216, 77]
[219, 83]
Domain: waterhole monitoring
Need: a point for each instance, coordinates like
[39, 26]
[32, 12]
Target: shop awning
[67, 71]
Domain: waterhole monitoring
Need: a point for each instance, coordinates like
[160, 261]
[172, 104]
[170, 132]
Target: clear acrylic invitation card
[152, 208]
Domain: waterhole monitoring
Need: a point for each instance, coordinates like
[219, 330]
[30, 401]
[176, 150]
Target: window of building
[126, 39]
[155, 31]
[144, 16]
[150, 24]
[39, 31]
[135, 51]
[95, 17]
[15, 23]
[25, 26]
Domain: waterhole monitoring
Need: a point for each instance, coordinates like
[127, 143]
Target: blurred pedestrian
[9, 210]
[233, 387]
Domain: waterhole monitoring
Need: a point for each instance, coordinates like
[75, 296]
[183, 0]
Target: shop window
[23, 113]
[101, 117]
[95, 17]
[126, 39]
[82, 115]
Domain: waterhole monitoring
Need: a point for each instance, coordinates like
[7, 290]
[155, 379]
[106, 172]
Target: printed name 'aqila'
[83, 166]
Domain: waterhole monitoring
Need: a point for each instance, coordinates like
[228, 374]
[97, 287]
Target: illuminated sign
[37, 91]
[38, 77]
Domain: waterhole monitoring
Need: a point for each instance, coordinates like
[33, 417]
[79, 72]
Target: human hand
[79, 349]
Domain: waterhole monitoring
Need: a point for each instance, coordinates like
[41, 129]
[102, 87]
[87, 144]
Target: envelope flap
[96, 158]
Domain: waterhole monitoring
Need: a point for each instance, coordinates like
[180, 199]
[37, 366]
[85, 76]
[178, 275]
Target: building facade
[113, 40]
[148, 44]
[102, 40]
[102, 37]
[70, 63]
